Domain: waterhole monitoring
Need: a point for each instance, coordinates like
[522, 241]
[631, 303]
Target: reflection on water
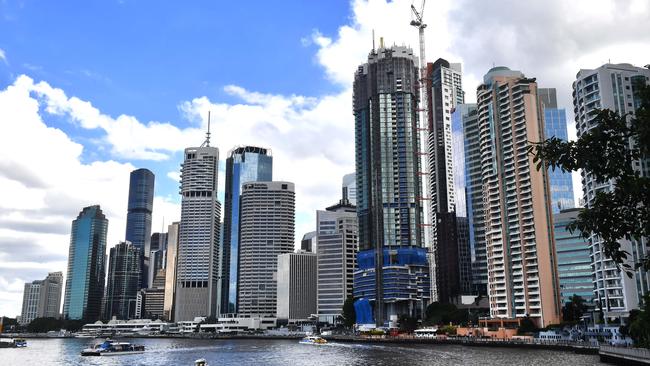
[284, 352]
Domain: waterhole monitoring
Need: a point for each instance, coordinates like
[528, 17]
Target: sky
[90, 91]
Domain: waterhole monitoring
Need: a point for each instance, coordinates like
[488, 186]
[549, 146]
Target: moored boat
[313, 340]
[113, 348]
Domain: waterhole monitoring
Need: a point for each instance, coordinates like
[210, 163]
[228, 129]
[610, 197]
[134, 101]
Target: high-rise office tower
[573, 258]
[555, 125]
[170, 271]
[152, 300]
[522, 265]
[445, 93]
[197, 267]
[393, 270]
[157, 255]
[84, 287]
[462, 221]
[266, 230]
[138, 218]
[42, 298]
[123, 281]
[338, 242]
[244, 164]
[308, 242]
[296, 283]
[350, 188]
[614, 87]
[469, 189]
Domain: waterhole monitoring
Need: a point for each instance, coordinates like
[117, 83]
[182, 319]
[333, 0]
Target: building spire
[206, 143]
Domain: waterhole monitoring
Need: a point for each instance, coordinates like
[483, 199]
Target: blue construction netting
[396, 257]
[363, 311]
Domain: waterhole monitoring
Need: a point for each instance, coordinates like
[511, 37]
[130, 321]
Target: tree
[574, 309]
[526, 326]
[440, 313]
[639, 328]
[407, 323]
[609, 151]
[349, 314]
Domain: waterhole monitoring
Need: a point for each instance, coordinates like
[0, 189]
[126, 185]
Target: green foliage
[438, 313]
[608, 151]
[447, 329]
[527, 326]
[43, 325]
[407, 323]
[574, 309]
[349, 314]
[639, 328]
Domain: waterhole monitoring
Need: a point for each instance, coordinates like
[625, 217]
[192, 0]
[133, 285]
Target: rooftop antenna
[373, 41]
[206, 143]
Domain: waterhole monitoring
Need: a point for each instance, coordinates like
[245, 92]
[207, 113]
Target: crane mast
[429, 215]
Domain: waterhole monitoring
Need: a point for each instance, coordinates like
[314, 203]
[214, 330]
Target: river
[180, 352]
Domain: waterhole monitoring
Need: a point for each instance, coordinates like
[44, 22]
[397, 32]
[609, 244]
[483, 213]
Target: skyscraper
[350, 188]
[170, 271]
[308, 242]
[138, 218]
[555, 125]
[197, 270]
[446, 92]
[393, 271]
[267, 227]
[157, 255]
[573, 258]
[522, 265]
[123, 281]
[338, 242]
[84, 287]
[42, 298]
[296, 283]
[472, 187]
[614, 87]
[244, 164]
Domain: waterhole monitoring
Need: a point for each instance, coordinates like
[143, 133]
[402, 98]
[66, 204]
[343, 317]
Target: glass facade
[555, 125]
[389, 187]
[138, 218]
[573, 259]
[84, 288]
[245, 164]
[123, 281]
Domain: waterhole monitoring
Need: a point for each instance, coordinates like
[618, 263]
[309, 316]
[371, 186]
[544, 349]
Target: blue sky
[90, 90]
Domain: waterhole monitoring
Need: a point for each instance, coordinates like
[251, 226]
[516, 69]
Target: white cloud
[3, 56]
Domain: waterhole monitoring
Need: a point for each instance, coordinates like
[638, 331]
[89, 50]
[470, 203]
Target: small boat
[13, 343]
[313, 340]
[201, 362]
[112, 348]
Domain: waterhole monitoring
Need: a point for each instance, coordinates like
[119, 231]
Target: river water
[283, 352]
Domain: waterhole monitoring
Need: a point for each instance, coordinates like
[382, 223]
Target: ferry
[112, 348]
[313, 340]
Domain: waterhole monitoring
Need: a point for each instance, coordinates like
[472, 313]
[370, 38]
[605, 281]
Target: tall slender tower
[197, 273]
[445, 93]
[267, 229]
[522, 264]
[393, 270]
[84, 287]
[244, 164]
[170, 271]
[138, 218]
[614, 87]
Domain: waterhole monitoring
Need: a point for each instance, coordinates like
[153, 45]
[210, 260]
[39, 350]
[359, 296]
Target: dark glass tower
[123, 281]
[84, 287]
[393, 270]
[138, 219]
[244, 164]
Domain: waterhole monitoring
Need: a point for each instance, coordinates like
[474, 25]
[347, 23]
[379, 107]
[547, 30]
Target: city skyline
[94, 167]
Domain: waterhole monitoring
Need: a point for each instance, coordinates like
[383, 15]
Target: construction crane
[428, 225]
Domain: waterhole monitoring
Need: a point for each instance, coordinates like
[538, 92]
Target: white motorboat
[316, 340]
[113, 348]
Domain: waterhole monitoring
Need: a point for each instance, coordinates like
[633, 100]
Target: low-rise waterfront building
[235, 324]
[133, 326]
